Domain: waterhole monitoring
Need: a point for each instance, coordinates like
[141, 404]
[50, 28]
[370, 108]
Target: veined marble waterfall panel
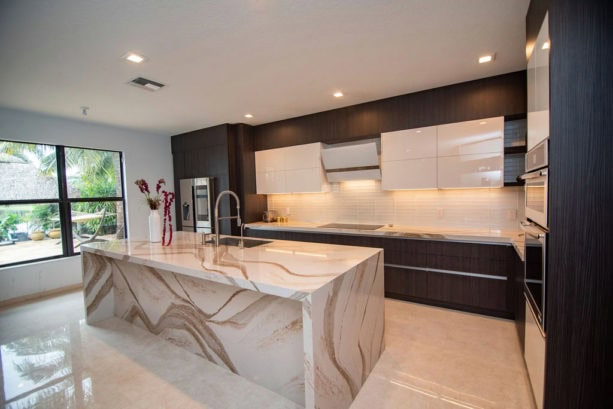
[255, 335]
[343, 334]
[309, 328]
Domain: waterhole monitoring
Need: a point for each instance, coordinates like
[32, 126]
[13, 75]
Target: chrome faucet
[217, 218]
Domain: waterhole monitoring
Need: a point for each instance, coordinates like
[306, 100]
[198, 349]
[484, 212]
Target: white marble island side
[302, 319]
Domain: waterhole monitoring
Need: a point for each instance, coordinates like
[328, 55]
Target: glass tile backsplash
[365, 202]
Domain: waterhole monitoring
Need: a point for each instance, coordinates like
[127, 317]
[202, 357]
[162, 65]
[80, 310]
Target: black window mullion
[65, 216]
[123, 196]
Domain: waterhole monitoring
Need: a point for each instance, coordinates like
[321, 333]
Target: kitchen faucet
[217, 218]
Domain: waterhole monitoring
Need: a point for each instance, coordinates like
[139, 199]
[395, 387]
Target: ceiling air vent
[144, 83]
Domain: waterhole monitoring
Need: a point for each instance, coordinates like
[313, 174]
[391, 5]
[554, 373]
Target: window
[55, 198]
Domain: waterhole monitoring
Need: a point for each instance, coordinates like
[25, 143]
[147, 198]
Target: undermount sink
[235, 241]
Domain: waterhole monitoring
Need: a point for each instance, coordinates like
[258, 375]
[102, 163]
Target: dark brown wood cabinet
[224, 152]
[474, 277]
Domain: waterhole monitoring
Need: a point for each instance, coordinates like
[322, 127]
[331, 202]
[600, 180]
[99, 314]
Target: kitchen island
[302, 319]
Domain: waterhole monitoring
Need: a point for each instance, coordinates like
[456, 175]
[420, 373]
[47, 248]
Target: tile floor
[434, 358]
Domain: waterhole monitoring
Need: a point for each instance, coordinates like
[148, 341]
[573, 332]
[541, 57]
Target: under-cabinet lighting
[338, 94]
[482, 123]
[486, 58]
[133, 57]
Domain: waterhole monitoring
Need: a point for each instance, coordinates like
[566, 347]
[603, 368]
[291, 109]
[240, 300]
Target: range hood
[351, 161]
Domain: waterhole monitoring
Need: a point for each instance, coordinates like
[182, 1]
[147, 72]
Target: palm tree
[91, 172]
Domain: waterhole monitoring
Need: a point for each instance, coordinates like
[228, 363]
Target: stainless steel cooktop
[351, 226]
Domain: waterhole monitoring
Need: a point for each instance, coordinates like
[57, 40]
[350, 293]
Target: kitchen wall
[146, 155]
[364, 202]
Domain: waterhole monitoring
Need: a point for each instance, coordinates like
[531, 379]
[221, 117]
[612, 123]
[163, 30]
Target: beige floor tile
[435, 358]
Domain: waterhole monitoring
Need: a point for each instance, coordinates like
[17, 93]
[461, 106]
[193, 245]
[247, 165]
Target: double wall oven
[536, 231]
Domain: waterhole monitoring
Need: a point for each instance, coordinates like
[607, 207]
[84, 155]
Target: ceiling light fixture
[487, 58]
[133, 57]
[545, 45]
[248, 116]
[338, 94]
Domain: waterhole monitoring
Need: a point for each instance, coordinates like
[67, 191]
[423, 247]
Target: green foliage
[7, 225]
[42, 214]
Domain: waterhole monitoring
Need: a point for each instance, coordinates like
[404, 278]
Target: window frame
[64, 202]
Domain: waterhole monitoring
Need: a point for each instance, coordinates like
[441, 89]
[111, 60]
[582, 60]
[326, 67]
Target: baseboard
[11, 302]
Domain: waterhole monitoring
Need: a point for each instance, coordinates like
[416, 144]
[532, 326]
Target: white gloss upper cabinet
[470, 171]
[408, 159]
[538, 88]
[471, 154]
[294, 169]
[471, 137]
[409, 174]
[408, 144]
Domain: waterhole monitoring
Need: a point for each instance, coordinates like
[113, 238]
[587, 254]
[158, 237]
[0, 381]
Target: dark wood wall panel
[580, 280]
[534, 19]
[488, 97]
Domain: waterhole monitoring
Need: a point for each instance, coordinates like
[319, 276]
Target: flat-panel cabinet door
[270, 182]
[270, 160]
[408, 144]
[538, 88]
[303, 180]
[471, 137]
[302, 156]
[294, 169]
[465, 171]
[409, 174]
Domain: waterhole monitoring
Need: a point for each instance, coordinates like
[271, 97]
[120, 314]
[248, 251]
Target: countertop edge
[468, 237]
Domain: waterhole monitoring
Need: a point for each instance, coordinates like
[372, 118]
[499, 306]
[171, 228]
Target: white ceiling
[223, 58]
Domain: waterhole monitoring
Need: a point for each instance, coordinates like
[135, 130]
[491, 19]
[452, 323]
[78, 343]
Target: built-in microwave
[538, 157]
[536, 184]
[536, 196]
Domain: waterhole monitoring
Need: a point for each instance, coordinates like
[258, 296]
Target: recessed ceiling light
[487, 58]
[133, 57]
[338, 94]
[248, 116]
[545, 46]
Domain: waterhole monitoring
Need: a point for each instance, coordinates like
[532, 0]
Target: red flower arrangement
[154, 203]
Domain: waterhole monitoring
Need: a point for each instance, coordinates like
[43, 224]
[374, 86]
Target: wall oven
[535, 228]
[535, 272]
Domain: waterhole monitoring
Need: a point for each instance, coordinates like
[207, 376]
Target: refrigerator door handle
[186, 212]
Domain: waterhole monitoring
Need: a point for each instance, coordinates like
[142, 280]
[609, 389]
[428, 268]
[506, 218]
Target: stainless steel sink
[235, 241]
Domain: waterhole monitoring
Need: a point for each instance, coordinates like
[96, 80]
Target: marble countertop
[283, 268]
[410, 232]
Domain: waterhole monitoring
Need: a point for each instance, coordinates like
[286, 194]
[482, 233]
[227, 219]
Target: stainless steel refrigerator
[196, 204]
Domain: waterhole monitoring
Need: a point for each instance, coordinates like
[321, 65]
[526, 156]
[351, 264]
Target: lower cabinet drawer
[463, 292]
[425, 271]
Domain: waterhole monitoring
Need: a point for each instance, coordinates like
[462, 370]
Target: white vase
[155, 227]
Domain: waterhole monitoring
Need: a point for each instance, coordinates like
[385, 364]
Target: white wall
[146, 155]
